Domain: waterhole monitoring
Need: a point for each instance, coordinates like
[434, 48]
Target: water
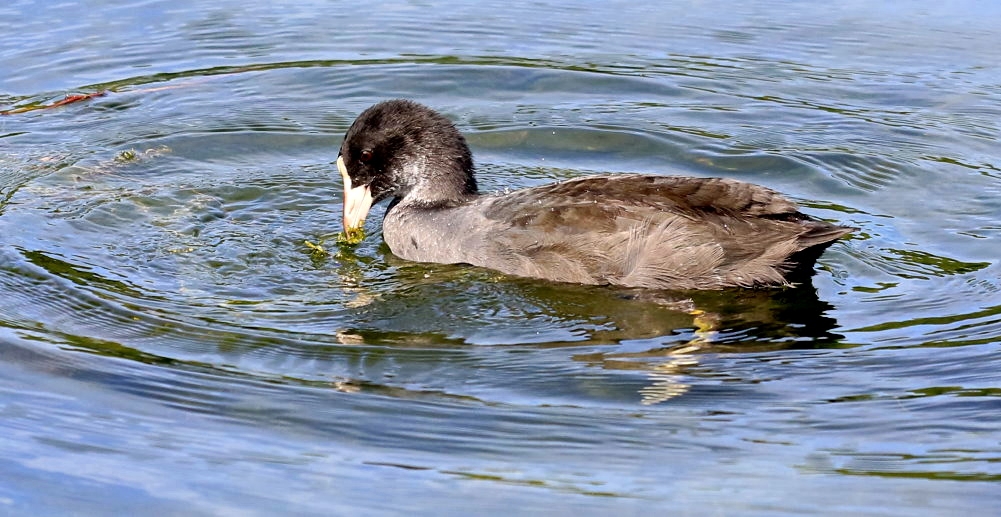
[170, 346]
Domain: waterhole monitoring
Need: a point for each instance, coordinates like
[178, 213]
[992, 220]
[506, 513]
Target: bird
[647, 231]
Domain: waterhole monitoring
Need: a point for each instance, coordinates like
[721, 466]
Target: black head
[399, 148]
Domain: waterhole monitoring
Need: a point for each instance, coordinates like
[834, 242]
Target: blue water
[170, 346]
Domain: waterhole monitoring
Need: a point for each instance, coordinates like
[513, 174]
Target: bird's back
[668, 232]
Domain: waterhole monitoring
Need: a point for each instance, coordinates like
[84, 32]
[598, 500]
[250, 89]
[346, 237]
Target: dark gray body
[666, 232]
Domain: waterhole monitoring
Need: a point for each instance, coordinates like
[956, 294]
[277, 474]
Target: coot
[634, 230]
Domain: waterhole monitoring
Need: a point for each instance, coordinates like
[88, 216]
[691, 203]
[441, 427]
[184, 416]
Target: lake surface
[170, 346]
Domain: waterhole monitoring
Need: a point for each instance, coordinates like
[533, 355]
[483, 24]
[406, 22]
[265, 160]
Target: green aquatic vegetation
[351, 236]
[345, 239]
[132, 156]
[126, 156]
[316, 251]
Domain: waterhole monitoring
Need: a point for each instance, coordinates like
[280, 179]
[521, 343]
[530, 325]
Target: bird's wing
[656, 231]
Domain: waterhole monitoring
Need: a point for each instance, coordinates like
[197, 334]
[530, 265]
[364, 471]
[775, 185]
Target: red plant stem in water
[69, 99]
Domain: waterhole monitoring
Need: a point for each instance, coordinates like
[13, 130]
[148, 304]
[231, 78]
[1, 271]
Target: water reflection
[661, 333]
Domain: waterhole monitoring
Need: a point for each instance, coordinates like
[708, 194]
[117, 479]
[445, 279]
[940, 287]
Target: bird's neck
[440, 185]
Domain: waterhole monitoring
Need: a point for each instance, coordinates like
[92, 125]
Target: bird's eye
[365, 156]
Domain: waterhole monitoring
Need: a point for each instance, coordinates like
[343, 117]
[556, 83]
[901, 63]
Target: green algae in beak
[351, 236]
